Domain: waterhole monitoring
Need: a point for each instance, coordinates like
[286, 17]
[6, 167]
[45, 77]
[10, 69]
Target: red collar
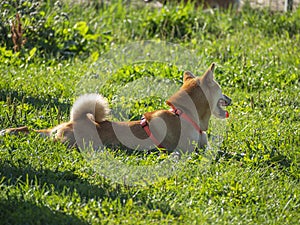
[177, 112]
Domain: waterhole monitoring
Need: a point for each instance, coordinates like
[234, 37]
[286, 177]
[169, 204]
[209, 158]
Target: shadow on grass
[14, 209]
[64, 183]
[16, 212]
[41, 102]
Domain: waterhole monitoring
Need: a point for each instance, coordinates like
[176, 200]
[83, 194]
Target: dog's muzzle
[223, 102]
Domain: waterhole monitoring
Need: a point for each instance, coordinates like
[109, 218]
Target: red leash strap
[179, 113]
[145, 126]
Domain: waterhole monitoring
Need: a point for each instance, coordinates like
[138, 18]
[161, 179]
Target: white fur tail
[93, 104]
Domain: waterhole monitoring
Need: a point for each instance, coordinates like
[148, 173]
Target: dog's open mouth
[223, 102]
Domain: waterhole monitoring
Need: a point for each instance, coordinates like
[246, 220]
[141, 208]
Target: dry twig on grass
[17, 34]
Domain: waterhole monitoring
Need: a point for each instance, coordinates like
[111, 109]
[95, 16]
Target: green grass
[253, 178]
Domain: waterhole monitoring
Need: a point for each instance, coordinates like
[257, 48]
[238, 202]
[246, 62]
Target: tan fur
[198, 98]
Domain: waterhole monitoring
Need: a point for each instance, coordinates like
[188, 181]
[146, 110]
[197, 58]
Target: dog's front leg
[202, 142]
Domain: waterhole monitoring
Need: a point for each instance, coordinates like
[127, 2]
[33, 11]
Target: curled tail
[93, 104]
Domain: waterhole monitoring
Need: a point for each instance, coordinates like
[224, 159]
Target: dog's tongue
[226, 114]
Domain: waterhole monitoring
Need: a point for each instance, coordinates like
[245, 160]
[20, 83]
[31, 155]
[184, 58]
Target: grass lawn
[252, 176]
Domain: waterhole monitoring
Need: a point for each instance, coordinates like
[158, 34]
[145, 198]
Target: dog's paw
[2, 132]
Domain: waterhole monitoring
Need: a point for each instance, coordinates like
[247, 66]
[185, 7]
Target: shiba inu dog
[180, 128]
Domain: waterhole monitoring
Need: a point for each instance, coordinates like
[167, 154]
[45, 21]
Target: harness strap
[178, 113]
[145, 125]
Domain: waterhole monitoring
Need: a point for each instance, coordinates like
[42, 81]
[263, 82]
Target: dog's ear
[187, 75]
[208, 76]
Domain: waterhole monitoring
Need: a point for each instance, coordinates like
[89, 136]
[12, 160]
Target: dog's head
[213, 93]
[201, 97]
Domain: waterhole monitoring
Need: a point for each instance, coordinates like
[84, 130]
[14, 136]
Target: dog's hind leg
[24, 130]
[18, 130]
